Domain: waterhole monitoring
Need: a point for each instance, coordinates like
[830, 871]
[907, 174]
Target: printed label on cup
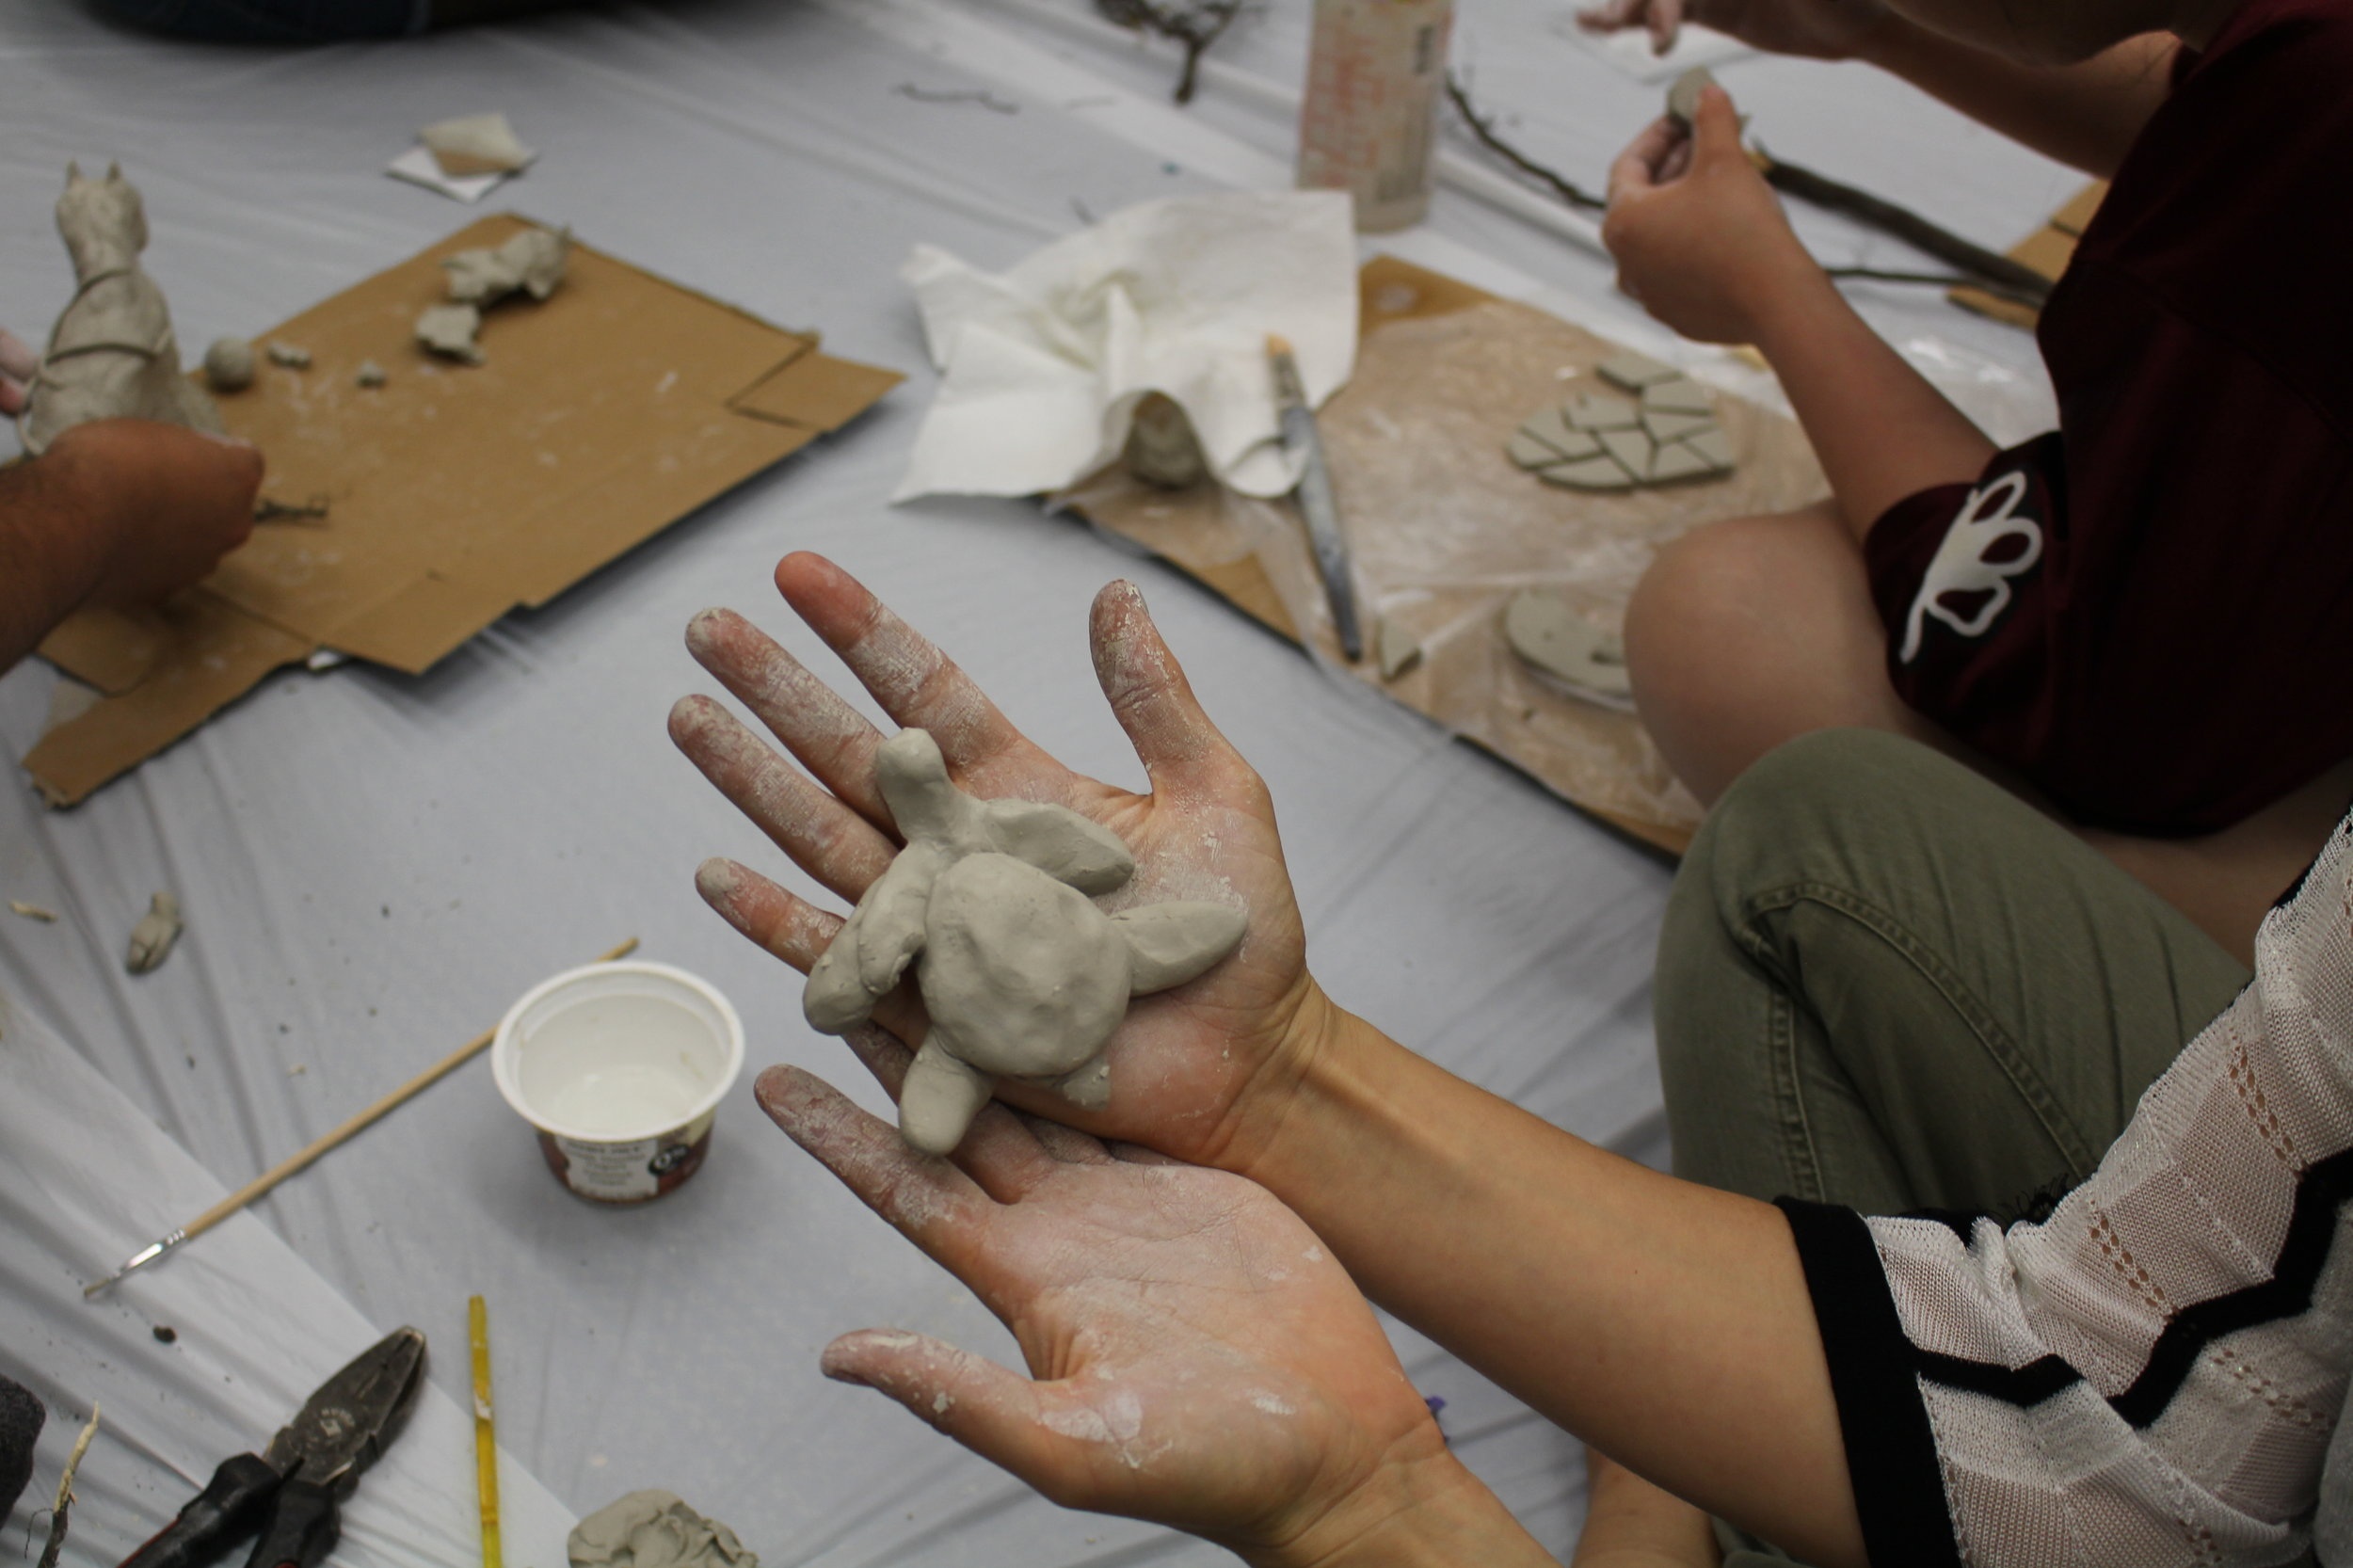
[632, 1171]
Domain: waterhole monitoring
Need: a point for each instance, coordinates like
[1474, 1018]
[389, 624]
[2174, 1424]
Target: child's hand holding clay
[1699, 237]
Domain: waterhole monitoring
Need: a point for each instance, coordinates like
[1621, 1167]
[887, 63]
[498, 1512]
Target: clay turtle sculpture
[1022, 975]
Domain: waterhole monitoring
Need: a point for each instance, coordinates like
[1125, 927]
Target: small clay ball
[228, 364]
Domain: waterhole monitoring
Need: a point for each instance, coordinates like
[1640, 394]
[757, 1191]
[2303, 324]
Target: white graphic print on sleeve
[1960, 566]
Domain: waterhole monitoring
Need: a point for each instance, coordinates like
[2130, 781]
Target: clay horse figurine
[112, 353]
[1022, 975]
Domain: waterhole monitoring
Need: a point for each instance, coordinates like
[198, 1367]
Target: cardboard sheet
[1443, 531]
[455, 493]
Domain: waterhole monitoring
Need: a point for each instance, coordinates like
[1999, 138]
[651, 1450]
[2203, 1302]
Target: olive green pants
[1887, 983]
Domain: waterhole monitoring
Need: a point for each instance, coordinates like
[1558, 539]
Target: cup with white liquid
[619, 1068]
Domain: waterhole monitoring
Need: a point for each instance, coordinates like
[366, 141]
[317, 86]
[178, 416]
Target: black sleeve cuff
[1891, 1452]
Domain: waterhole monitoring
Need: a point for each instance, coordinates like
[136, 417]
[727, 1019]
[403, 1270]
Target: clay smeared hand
[1196, 1357]
[1699, 238]
[1817, 30]
[17, 365]
[1197, 1072]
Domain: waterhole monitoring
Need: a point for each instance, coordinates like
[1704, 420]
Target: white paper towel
[1042, 366]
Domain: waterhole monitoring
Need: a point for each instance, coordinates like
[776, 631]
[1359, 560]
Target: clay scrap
[112, 353]
[992, 902]
[654, 1529]
[228, 364]
[1603, 442]
[151, 938]
[476, 144]
[1547, 631]
[289, 356]
[530, 262]
[1683, 96]
[1394, 647]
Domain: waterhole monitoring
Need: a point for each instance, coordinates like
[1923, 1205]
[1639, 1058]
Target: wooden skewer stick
[293, 1163]
[485, 1443]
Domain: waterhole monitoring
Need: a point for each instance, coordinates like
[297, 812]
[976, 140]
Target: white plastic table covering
[373, 866]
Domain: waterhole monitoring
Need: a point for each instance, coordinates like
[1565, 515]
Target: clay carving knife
[1315, 496]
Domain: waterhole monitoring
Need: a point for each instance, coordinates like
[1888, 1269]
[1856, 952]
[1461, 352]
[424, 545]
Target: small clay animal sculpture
[1022, 975]
[112, 353]
[228, 364]
[151, 938]
[654, 1529]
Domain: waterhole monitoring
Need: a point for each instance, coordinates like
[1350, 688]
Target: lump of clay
[449, 330]
[1022, 975]
[290, 356]
[532, 261]
[1545, 630]
[1683, 96]
[654, 1529]
[228, 364]
[1162, 450]
[112, 353]
[1605, 444]
[1396, 648]
[474, 144]
[151, 938]
[370, 374]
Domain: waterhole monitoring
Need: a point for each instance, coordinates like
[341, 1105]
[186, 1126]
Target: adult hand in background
[16, 364]
[164, 504]
[1195, 1356]
[1197, 1072]
[1700, 240]
[1817, 30]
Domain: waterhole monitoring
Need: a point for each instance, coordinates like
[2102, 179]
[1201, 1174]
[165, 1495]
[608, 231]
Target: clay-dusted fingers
[999, 1414]
[1001, 1152]
[1637, 168]
[786, 926]
[824, 838]
[1066, 1145]
[916, 683]
[831, 738]
[1150, 696]
[931, 1202]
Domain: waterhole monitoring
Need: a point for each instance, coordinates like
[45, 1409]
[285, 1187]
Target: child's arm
[1701, 243]
[2084, 115]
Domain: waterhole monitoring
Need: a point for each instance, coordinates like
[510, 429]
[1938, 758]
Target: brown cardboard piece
[1443, 529]
[2048, 251]
[454, 492]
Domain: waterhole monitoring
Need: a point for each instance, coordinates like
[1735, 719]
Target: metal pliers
[292, 1491]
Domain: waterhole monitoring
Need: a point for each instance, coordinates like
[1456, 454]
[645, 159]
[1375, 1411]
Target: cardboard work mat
[1443, 529]
[454, 492]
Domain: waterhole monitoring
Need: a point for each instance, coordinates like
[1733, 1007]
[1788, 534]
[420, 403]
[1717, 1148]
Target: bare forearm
[1667, 1323]
[1434, 1516]
[1881, 429]
[52, 551]
[2082, 114]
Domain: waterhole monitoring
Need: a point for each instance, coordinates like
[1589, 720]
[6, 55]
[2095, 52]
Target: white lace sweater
[2154, 1375]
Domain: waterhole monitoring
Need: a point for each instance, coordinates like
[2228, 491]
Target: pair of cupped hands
[1196, 1357]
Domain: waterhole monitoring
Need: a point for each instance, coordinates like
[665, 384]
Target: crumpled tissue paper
[1042, 366]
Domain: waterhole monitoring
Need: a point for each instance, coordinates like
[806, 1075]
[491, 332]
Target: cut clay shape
[1631, 450]
[1678, 396]
[1665, 426]
[370, 374]
[1713, 445]
[1395, 649]
[1162, 449]
[476, 144]
[1677, 460]
[654, 1529]
[228, 364]
[292, 355]
[151, 938]
[1527, 452]
[1635, 371]
[112, 353]
[1545, 630]
[1598, 411]
[1022, 975]
[1683, 95]
[1593, 474]
[531, 263]
[1550, 428]
[449, 332]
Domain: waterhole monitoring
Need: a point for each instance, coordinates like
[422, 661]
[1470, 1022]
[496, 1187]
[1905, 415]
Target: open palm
[1196, 1355]
[1189, 1069]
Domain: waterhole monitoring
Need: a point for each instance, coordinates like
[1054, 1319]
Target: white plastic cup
[618, 1067]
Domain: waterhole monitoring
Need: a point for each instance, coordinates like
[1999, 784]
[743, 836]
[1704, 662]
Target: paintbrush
[1300, 437]
[287, 1167]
